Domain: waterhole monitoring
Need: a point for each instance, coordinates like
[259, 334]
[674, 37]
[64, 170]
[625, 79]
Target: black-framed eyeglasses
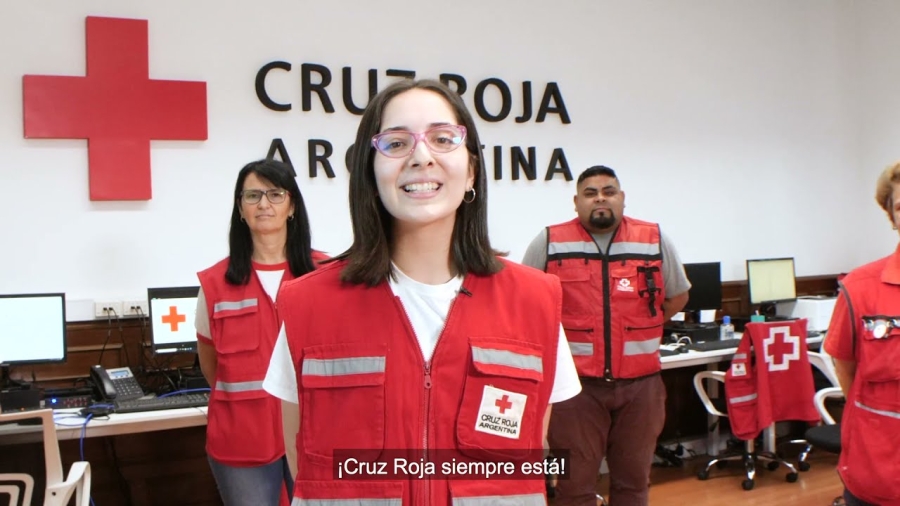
[401, 143]
[275, 195]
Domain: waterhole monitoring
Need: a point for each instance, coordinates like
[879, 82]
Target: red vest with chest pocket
[612, 303]
[365, 387]
[244, 427]
[870, 427]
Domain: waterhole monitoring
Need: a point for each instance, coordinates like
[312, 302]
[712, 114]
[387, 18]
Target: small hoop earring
[469, 201]
[291, 218]
[243, 220]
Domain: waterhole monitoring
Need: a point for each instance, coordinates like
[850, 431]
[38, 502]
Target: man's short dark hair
[597, 170]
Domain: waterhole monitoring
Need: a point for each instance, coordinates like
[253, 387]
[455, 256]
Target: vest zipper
[607, 318]
[427, 383]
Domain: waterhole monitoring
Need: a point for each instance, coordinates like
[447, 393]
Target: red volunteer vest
[770, 378]
[364, 387]
[244, 426]
[870, 427]
[612, 301]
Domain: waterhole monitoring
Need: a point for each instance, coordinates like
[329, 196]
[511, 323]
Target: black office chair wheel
[703, 474]
[771, 466]
[747, 484]
[803, 466]
[722, 464]
[791, 477]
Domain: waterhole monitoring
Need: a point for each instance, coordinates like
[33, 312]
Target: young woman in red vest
[237, 325]
[864, 339]
[419, 342]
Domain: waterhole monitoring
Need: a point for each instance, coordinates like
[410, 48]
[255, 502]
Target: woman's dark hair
[369, 257]
[297, 248]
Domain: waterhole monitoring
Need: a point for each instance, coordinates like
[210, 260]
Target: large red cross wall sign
[116, 107]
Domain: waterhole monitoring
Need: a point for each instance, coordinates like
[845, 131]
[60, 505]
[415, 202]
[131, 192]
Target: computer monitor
[706, 286]
[771, 280]
[172, 312]
[32, 330]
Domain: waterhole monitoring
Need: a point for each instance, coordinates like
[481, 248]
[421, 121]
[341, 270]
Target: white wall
[879, 128]
[734, 124]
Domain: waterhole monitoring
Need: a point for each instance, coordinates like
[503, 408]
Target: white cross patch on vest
[501, 413]
[780, 352]
[624, 285]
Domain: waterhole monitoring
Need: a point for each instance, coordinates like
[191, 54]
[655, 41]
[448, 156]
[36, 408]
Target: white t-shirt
[271, 281]
[427, 307]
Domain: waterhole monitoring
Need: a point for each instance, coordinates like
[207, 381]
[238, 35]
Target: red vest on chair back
[244, 426]
[364, 386]
[612, 304]
[870, 427]
[770, 378]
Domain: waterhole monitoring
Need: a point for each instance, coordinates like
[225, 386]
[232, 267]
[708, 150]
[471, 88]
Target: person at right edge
[864, 339]
[621, 280]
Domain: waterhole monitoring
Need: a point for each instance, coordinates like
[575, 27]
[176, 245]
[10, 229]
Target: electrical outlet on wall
[107, 308]
[136, 308]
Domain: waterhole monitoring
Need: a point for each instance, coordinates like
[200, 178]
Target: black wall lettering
[309, 87]
[456, 79]
[525, 164]
[346, 82]
[277, 146]
[558, 165]
[312, 150]
[261, 92]
[408, 74]
[505, 98]
[526, 103]
[551, 92]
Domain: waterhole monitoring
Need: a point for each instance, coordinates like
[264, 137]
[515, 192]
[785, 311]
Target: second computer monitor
[706, 286]
[771, 280]
[33, 328]
[172, 312]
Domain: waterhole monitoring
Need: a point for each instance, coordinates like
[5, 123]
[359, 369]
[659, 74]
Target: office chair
[58, 492]
[16, 484]
[825, 364]
[828, 436]
[749, 456]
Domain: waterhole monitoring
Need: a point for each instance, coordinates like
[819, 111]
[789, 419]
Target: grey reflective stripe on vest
[342, 366]
[740, 356]
[501, 500]
[235, 305]
[743, 398]
[243, 386]
[641, 347]
[557, 248]
[298, 501]
[507, 358]
[581, 349]
[633, 248]
[892, 414]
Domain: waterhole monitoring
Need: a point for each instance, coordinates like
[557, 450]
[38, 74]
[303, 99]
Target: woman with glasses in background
[418, 344]
[237, 325]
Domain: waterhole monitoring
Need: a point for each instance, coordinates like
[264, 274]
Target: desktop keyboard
[714, 345]
[158, 403]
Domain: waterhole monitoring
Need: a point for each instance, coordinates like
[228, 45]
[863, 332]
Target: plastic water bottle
[726, 330]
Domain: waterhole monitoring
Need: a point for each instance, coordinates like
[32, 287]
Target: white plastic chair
[58, 491]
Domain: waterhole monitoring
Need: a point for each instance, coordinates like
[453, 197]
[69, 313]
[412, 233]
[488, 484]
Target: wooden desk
[150, 458]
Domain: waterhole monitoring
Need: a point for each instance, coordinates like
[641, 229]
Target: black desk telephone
[117, 384]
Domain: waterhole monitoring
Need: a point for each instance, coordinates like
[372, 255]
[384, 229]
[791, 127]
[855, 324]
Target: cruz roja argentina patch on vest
[501, 413]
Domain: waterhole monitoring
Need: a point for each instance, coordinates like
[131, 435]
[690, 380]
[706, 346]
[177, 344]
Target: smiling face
[600, 203]
[423, 187]
[265, 217]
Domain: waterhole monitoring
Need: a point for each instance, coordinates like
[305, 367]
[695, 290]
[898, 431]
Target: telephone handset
[117, 384]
